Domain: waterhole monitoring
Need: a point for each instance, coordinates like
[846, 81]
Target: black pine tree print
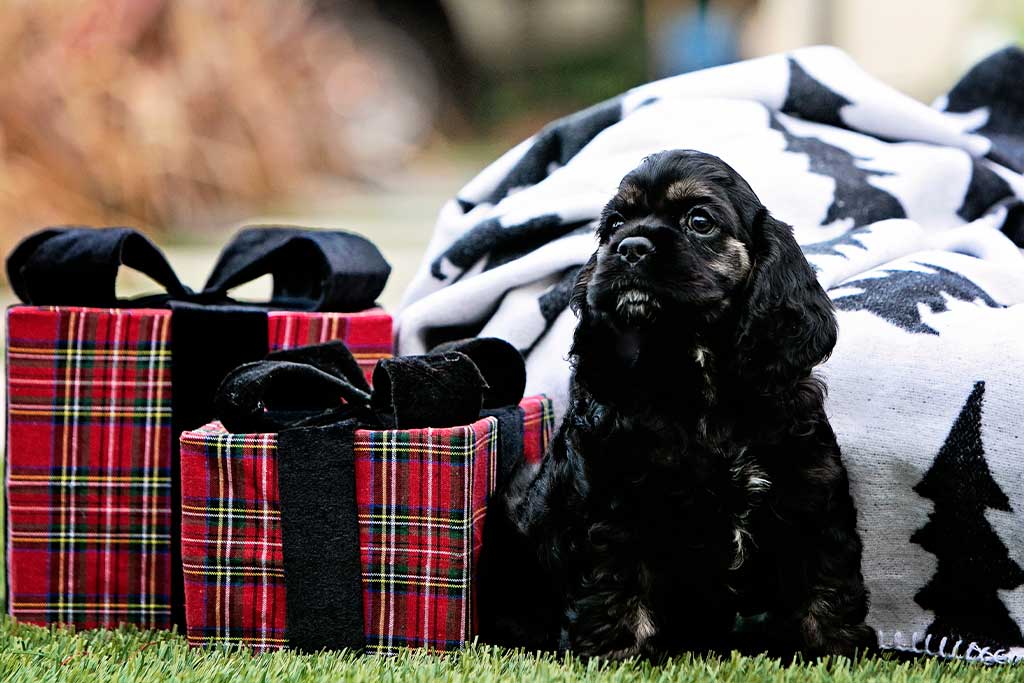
[973, 563]
[854, 197]
[811, 99]
[502, 244]
[896, 297]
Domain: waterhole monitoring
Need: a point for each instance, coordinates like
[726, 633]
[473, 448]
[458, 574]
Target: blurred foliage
[545, 86]
[162, 113]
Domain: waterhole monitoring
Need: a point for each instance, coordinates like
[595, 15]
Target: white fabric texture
[912, 217]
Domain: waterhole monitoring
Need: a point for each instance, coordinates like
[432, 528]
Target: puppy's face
[676, 237]
[685, 241]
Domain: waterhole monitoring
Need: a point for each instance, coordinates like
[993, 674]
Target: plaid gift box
[94, 398]
[421, 497]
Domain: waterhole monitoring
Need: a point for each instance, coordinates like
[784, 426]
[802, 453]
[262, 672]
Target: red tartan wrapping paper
[421, 499]
[89, 454]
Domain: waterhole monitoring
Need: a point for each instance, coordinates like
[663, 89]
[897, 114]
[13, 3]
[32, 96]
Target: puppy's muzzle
[635, 249]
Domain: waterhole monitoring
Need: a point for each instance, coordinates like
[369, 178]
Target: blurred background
[186, 118]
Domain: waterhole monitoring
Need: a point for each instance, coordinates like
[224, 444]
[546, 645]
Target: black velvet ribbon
[316, 398]
[312, 270]
[322, 384]
[323, 577]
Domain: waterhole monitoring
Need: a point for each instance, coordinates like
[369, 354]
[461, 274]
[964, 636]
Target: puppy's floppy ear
[786, 323]
[578, 300]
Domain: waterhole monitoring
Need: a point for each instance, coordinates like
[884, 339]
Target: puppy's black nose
[635, 249]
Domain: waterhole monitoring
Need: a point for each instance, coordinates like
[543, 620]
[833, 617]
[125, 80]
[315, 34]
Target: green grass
[28, 653]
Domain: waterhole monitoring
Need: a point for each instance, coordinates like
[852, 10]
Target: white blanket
[913, 218]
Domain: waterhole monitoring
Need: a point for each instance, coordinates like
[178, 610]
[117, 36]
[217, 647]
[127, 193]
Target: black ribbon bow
[319, 385]
[313, 270]
[315, 398]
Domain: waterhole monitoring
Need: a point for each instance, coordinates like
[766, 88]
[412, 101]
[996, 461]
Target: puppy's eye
[700, 221]
[614, 220]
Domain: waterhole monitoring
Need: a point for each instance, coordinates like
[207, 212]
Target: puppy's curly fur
[695, 478]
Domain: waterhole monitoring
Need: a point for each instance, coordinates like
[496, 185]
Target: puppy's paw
[620, 654]
[615, 647]
[648, 651]
[845, 641]
[604, 643]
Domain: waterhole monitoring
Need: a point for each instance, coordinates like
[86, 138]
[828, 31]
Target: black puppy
[695, 477]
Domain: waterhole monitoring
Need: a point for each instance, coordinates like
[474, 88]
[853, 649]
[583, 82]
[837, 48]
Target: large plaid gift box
[331, 535]
[98, 387]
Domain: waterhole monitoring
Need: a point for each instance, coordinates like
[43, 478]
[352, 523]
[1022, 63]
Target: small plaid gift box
[98, 387]
[319, 537]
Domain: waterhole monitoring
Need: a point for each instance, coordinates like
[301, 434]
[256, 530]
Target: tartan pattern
[89, 455]
[421, 498]
[89, 466]
[538, 424]
[367, 334]
[231, 538]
